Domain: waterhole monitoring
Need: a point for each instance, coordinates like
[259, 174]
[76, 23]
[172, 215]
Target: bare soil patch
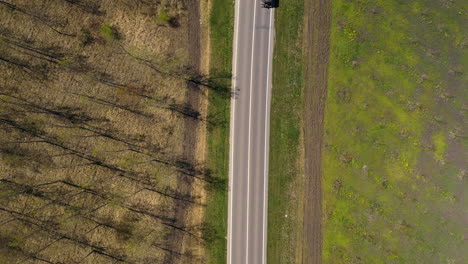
[317, 33]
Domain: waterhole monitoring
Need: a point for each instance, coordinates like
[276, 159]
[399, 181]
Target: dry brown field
[101, 132]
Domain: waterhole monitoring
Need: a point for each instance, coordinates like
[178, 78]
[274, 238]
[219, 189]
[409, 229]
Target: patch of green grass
[284, 233]
[386, 198]
[163, 18]
[221, 30]
[108, 32]
[440, 145]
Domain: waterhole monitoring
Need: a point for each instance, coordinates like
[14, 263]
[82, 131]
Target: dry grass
[90, 127]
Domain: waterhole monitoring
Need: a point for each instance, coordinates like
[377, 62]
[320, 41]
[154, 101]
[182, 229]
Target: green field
[394, 169]
[286, 182]
[221, 29]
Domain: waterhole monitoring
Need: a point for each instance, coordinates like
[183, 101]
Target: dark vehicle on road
[270, 3]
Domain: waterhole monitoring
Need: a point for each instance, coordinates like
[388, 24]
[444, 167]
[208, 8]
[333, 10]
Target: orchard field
[394, 155]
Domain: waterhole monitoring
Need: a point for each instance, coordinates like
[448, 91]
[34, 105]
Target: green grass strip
[221, 23]
[285, 131]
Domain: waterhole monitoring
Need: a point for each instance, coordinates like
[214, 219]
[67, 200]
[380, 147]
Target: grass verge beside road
[221, 37]
[286, 183]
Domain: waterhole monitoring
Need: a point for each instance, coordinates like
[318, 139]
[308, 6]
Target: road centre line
[250, 126]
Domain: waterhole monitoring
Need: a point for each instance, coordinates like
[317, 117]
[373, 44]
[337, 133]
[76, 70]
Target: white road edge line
[250, 126]
[233, 114]
[267, 118]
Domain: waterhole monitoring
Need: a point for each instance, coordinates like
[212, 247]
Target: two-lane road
[253, 48]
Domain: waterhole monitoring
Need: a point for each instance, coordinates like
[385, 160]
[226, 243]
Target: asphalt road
[253, 47]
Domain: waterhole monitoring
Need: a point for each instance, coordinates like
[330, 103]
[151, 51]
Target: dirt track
[317, 33]
[177, 253]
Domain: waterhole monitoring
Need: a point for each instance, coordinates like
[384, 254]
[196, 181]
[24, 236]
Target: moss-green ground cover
[393, 160]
